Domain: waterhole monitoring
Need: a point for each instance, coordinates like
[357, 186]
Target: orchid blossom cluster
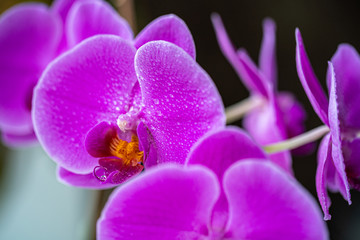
[140, 114]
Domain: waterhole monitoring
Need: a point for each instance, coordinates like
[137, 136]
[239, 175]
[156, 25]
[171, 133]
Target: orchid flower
[33, 34]
[278, 116]
[228, 190]
[105, 110]
[338, 157]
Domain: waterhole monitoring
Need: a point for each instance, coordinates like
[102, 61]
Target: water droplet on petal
[100, 173]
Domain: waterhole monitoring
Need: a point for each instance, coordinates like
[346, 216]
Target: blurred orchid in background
[338, 157]
[229, 191]
[48, 31]
[275, 116]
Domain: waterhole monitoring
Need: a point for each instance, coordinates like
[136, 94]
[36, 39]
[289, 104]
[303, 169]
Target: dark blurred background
[324, 24]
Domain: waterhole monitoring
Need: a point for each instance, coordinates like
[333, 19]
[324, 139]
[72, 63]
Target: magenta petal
[98, 139]
[29, 37]
[336, 137]
[146, 145]
[294, 116]
[169, 28]
[229, 51]
[62, 7]
[346, 62]
[181, 103]
[87, 85]
[81, 180]
[88, 18]
[23, 140]
[324, 159]
[217, 151]
[168, 202]
[267, 58]
[266, 126]
[265, 203]
[252, 73]
[309, 81]
[351, 153]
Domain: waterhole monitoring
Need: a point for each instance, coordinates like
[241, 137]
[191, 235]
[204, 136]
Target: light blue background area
[34, 205]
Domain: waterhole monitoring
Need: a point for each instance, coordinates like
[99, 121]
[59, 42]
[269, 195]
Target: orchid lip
[126, 161]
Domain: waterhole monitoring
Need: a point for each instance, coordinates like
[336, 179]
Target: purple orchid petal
[294, 116]
[29, 37]
[265, 203]
[217, 151]
[351, 153]
[181, 103]
[81, 180]
[113, 170]
[88, 18]
[267, 58]
[334, 124]
[229, 51]
[169, 28]
[346, 62]
[324, 159]
[146, 144]
[168, 202]
[252, 73]
[87, 85]
[62, 7]
[14, 141]
[265, 124]
[309, 81]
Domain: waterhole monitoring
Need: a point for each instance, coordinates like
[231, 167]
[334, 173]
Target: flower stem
[238, 110]
[297, 141]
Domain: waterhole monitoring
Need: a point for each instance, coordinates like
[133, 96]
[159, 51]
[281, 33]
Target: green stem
[297, 141]
[238, 110]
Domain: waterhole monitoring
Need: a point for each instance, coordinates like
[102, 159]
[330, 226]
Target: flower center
[128, 152]
[126, 161]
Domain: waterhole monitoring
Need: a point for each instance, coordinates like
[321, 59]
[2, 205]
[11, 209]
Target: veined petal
[334, 124]
[218, 150]
[88, 18]
[265, 203]
[87, 85]
[309, 81]
[324, 159]
[29, 37]
[81, 180]
[346, 62]
[167, 202]
[267, 58]
[181, 103]
[169, 28]
[229, 51]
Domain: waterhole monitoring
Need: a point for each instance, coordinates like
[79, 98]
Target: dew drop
[100, 173]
